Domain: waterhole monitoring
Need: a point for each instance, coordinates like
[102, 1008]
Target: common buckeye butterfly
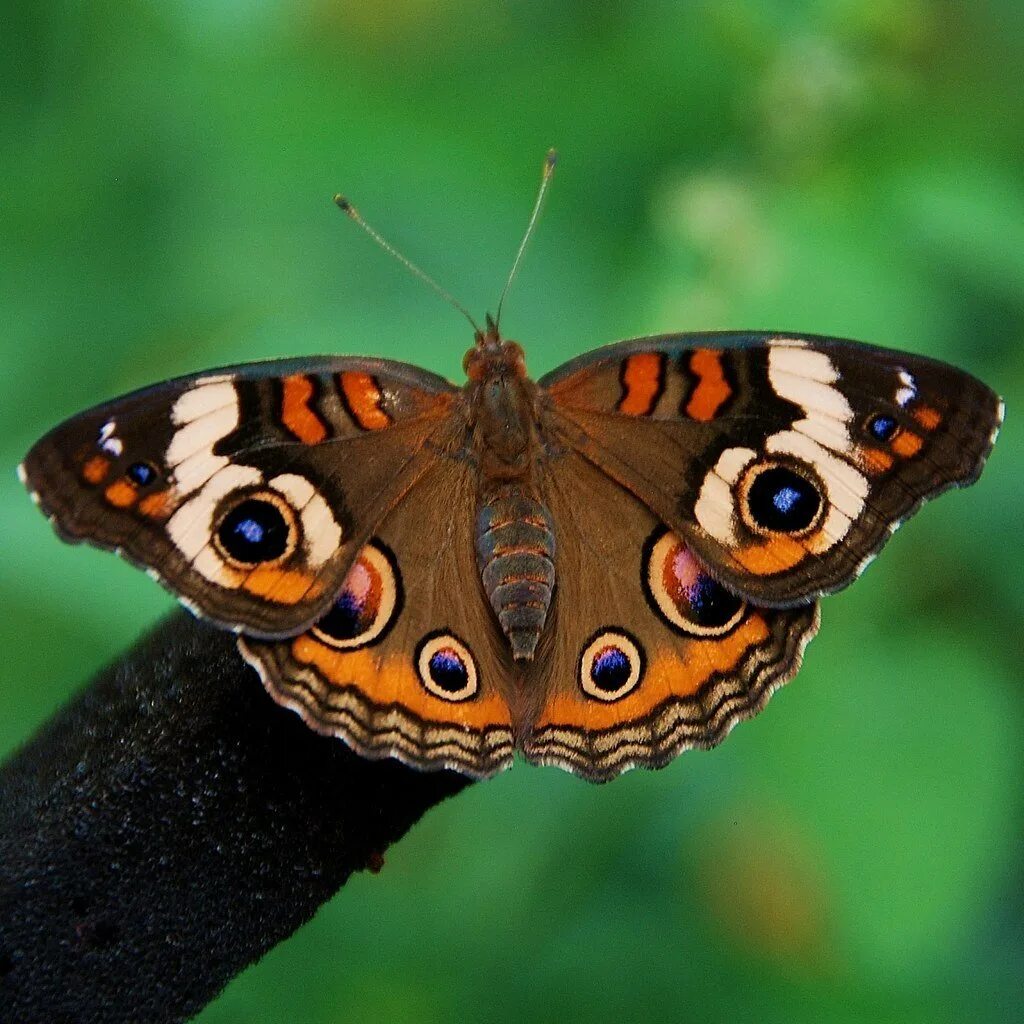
[600, 569]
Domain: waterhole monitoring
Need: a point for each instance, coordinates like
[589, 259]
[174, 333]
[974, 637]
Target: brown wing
[785, 461]
[409, 662]
[246, 491]
[646, 654]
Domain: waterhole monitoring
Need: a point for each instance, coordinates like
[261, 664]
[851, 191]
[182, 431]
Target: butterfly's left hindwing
[784, 461]
[408, 662]
[247, 490]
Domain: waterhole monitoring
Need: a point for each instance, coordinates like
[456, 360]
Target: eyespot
[611, 665]
[778, 499]
[142, 473]
[446, 667]
[688, 598]
[882, 427]
[261, 528]
[368, 603]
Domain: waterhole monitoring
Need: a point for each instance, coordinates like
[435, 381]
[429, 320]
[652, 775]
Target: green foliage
[841, 166]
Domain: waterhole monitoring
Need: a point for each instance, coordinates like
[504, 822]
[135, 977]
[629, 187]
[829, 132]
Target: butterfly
[599, 569]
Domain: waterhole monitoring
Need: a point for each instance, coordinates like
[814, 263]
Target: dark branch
[172, 825]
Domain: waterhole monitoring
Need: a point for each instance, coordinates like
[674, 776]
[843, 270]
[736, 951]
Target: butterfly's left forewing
[248, 490]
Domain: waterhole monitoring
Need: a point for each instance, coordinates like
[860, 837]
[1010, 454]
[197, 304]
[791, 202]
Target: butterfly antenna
[346, 207]
[549, 169]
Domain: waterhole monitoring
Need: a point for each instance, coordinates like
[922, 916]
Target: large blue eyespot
[367, 604]
[611, 665]
[780, 500]
[710, 604]
[254, 531]
[682, 591]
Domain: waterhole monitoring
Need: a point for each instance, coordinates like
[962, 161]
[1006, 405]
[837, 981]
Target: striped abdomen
[515, 547]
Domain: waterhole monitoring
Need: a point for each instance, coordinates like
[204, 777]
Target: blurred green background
[848, 167]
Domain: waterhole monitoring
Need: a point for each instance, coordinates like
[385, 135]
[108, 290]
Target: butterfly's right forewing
[785, 461]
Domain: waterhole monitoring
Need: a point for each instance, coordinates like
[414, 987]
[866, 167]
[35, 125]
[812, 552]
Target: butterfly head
[492, 356]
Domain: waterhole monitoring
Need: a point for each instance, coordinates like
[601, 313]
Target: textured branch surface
[169, 827]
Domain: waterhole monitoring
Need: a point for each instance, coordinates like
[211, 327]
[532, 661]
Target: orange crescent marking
[393, 679]
[296, 415]
[677, 671]
[775, 555]
[928, 417]
[642, 383]
[712, 390]
[121, 494]
[874, 460]
[285, 586]
[363, 397]
[907, 444]
[95, 470]
[158, 505]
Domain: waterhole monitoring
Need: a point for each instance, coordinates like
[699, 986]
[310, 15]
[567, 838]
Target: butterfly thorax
[515, 539]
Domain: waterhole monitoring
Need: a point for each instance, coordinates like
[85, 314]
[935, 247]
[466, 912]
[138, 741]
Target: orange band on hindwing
[392, 679]
[671, 672]
[712, 390]
[363, 400]
[643, 380]
[296, 414]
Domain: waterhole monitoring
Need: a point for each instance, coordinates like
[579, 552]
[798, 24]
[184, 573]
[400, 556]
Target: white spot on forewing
[201, 434]
[714, 510]
[1000, 413]
[732, 462]
[210, 395]
[107, 440]
[834, 528]
[322, 534]
[828, 432]
[191, 526]
[847, 488]
[213, 567]
[805, 377]
[813, 396]
[297, 489]
[908, 392]
[23, 477]
[789, 355]
[194, 471]
[715, 506]
[320, 530]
